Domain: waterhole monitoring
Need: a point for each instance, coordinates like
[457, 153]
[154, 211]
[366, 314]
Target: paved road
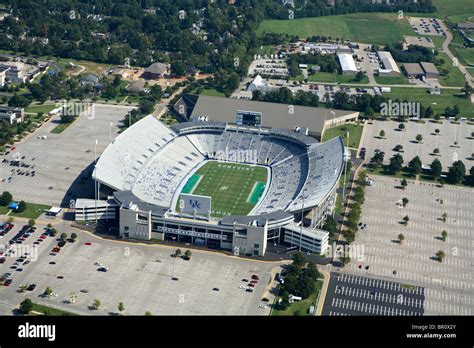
[467, 75]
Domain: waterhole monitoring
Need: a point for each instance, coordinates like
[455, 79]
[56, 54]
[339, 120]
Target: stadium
[220, 185]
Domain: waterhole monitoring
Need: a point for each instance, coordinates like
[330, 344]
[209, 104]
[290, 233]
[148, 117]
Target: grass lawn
[452, 7]
[234, 188]
[4, 210]
[51, 311]
[62, 127]
[212, 93]
[40, 108]
[33, 211]
[454, 78]
[354, 27]
[465, 55]
[302, 306]
[355, 132]
[330, 77]
[447, 97]
[392, 80]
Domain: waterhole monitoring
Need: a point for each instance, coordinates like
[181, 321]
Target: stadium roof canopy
[273, 115]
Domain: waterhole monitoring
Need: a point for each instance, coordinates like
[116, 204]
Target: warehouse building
[348, 64]
[430, 70]
[390, 67]
[413, 70]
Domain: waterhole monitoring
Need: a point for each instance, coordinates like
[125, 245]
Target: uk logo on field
[195, 204]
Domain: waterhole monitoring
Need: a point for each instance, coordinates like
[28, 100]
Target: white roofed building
[390, 67]
[348, 64]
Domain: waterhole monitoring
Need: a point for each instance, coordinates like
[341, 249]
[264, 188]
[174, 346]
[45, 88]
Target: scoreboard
[249, 118]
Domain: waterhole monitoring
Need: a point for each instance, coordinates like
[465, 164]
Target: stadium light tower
[302, 218]
[345, 169]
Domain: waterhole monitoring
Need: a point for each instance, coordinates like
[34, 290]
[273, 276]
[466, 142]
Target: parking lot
[357, 295]
[449, 133]
[427, 26]
[448, 284]
[418, 40]
[139, 276]
[50, 169]
[272, 67]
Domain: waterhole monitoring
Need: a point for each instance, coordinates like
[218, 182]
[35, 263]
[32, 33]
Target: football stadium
[237, 187]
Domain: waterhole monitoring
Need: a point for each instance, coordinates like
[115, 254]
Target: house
[12, 115]
[93, 81]
[431, 72]
[413, 70]
[156, 71]
[137, 87]
[259, 84]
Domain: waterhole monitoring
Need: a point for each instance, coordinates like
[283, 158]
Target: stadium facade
[142, 174]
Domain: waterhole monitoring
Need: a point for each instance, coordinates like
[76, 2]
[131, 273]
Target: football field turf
[235, 188]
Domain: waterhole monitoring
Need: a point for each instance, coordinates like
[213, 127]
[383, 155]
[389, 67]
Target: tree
[436, 151]
[359, 194]
[396, 163]
[330, 226]
[359, 76]
[406, 219]
[404, 201]
[121, 307]
[21, 207]
[401, 238]
[53, 232]
[401, 126]
[5, 198]
[398, 148]
[437, 131]
[48, 291]
[26, 306]
[31, 222]
[467, 90]
[444, 235]
[419, 138]
[96, 304]
[377, 159]
[177, 253]
[188, 254]
[436, 168]
[382, 134]
[148, 314]
[444, 217]
[415, 165]
[49, 226]
[440, 255]
[63, 236]
[299, 260]
[73, 236]
[23, 287]
[404, 183]
[10, 219]
[456, 172]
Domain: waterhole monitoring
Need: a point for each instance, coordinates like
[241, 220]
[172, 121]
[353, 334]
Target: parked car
[31, 287]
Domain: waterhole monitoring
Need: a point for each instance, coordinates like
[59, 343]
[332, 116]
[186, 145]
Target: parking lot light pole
[95, 181]
[345, 171]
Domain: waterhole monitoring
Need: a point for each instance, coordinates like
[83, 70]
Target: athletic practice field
[235, 188]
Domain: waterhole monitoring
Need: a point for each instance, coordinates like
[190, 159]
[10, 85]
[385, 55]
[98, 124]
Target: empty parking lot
[60, 159]
[357, 295]
[448, 284]
[142, 278]
[449, 133]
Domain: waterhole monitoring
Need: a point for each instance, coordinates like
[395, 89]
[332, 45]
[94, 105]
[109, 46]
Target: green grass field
[452, 7]
[45, 108]
[448, 97]
[355, 132]
[235, 188]
[454, 78]
[50, 311]
[33, 211]
[301, 307]
[354, 27]
[392, 80]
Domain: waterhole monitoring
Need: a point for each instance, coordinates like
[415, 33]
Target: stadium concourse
[218, 185]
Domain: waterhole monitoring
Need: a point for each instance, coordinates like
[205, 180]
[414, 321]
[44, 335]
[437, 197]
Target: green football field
[235, 188]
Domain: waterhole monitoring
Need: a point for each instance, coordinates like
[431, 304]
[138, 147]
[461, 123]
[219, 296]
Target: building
[430, 70]
[137, 87]
[314, 120]
[14, 71]
[12, 115]
[148, 166]
[466, 26]
[156, 71]
[259, 84]
[413, 70]
[390, 67]
[85, 209]
[348, 65]
[3, 75]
